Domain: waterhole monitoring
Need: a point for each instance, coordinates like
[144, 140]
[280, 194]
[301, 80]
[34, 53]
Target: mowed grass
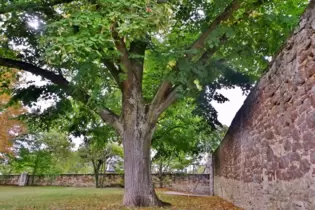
[56, 198]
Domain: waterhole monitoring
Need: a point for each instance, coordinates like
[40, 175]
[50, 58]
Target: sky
[227, 110]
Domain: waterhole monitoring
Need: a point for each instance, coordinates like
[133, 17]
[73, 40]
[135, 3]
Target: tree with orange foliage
[10, 127]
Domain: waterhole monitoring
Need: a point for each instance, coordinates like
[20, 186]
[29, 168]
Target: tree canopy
[188, 43]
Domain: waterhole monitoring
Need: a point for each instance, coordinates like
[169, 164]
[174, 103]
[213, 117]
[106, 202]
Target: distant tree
[186, 134]
[39, 153]
[10, 126]
[100, 152]
[98, 147]
[74, 164]
[176, 142]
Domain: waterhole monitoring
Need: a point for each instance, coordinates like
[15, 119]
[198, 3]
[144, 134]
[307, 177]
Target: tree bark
[96, 166]
[161, 174]
[96, 180]
[138, 127]
[95, 174]
[211, 177]
[139, 189]
[34, 170]
[137, 137]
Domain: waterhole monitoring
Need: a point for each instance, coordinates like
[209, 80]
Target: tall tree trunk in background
[96, 167]
[33, 176]
[34, 169]
[95, 173]
[211, 174]
[161, 174]
[96, 179]
[102, 171]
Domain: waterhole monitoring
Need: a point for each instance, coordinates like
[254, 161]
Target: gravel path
[185, 194]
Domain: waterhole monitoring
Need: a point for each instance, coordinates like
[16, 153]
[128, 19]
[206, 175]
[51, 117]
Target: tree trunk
[139, 189]
[211, 177]
[33, 177]
[96, 167]
[96, 180]
[34, 170]
[138, 122]
[161, 174]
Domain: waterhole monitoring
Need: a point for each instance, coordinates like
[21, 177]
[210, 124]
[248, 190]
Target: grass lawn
[92, 198]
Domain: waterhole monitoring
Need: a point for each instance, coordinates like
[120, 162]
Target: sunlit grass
[91, 198]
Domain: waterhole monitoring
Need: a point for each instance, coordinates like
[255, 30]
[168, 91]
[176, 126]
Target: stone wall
[267, 158]
[181, 182]
[77, 180]
[9, 180]
[197, 183]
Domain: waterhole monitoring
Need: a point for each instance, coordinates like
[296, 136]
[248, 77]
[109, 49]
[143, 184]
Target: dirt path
[184, 194]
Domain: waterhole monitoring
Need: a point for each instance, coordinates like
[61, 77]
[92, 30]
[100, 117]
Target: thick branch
[170, 99]
[137, 53]
[114, 72]
[161, 102]
[161, 94]
[121, 47]
[54, 78]
[57, 79]
[112, 119]
[228, 12]
[199, 43]
[107, 115]
[31, 6]
[133, 62]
